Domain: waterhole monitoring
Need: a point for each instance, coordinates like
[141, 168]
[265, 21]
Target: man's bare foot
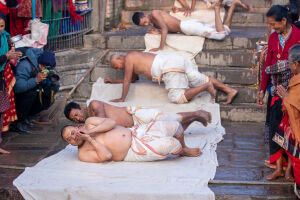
[2, 151]
[191, 152]
[204, 114]
[230, 96]
[211, 90]
[276, 174]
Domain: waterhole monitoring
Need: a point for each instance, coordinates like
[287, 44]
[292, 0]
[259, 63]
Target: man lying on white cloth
[132, 115]
[182, 79]
[100, 140]
[167, 23]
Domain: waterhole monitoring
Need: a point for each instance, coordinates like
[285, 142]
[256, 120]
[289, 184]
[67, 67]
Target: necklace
[285, 39]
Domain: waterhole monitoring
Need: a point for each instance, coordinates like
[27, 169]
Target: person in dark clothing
[34, 89]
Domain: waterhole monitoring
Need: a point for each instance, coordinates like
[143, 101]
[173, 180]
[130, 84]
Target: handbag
[4, 98]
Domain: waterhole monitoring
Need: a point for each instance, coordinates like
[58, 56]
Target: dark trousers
[28, 104]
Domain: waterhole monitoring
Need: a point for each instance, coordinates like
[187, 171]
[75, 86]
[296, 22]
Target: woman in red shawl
[9, 80]
[283, 38]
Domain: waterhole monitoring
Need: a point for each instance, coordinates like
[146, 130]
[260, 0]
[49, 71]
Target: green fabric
[53, 19]
[4, 46]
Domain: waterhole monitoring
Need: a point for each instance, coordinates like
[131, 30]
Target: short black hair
[62, 131]
[2, 16]
[293, 13]
[69, 107]
[136, 17]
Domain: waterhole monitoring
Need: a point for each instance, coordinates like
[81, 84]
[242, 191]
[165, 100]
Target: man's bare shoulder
[132, 55]
[94, 104]
[93, 120]
[156, 12]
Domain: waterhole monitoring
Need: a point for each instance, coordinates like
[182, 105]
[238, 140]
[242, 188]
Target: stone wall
[113, 13]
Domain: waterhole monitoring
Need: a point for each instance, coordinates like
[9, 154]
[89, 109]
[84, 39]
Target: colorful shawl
[4, 46]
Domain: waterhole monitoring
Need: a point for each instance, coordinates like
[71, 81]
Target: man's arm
[127, 78]
[96, 109]
[160, 22]
[101, 125]
[99, 153]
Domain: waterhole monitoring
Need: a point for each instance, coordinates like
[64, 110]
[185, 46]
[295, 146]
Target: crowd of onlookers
[27, 80]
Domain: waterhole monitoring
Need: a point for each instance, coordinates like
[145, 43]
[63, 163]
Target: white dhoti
[198, 28]
[178, 74]
[142, 115]
[155, 141]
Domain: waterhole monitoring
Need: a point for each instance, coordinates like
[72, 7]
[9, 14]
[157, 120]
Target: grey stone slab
[237, 76]
[226, 58]
[106, 71]
[121, 42]
[243, 113]
[94, 41]
[84, 90]
[148, 5]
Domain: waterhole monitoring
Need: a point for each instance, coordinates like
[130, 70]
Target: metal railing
[63, 33]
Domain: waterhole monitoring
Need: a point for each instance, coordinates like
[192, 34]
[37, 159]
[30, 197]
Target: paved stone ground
[241, 174]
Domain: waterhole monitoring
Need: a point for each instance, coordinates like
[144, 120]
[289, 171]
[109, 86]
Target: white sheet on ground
[63, 176]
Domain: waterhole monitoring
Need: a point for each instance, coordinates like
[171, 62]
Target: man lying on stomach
[100, 140]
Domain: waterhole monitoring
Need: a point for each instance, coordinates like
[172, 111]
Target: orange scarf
[292, 105]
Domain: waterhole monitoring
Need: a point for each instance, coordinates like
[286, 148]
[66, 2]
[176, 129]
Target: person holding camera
[36, 84]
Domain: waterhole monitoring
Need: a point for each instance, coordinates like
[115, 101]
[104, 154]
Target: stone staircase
[230, 60]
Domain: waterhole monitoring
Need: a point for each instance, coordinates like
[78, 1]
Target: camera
[51, 76]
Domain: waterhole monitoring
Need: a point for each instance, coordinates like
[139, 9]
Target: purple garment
[57, 5]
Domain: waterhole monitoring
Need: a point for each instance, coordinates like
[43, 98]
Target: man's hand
[12, 54]
[154, 31]
[40, 77]
[156, 49]
[82, 135]
[187, 12]
[260, 98]
[281, 91]
[117, 100]
[175, 9]
[108, 80]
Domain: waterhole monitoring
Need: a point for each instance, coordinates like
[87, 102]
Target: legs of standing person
[2, 151]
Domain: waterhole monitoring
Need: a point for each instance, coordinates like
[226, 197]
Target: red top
[273, 48]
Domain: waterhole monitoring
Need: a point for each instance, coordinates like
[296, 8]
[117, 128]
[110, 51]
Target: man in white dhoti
[167, 23]
[181, 78]
[100, 140]
[132, 115]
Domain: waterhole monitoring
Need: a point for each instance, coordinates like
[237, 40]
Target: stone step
[76, 56]
[133, 38]
[249, 19]
[234, 58]
[167, 4]
[243, 112]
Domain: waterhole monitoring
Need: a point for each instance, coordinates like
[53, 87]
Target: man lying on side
[100, 140]
[131, 115]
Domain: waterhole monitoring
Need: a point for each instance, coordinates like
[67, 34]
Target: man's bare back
[159, 18]
[141, 61]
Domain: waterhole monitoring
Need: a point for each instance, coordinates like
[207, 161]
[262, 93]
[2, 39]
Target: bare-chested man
[167, 23]
[182, 79]
[100, 140]
[130, 116]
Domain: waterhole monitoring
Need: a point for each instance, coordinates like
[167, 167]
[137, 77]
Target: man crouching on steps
[100, 140]
[182, 79]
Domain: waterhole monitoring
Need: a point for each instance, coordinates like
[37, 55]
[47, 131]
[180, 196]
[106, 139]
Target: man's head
[47, 60]
[117, 61]
[75, 113]
[294, 58]
[69, 134]
[140, 19]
